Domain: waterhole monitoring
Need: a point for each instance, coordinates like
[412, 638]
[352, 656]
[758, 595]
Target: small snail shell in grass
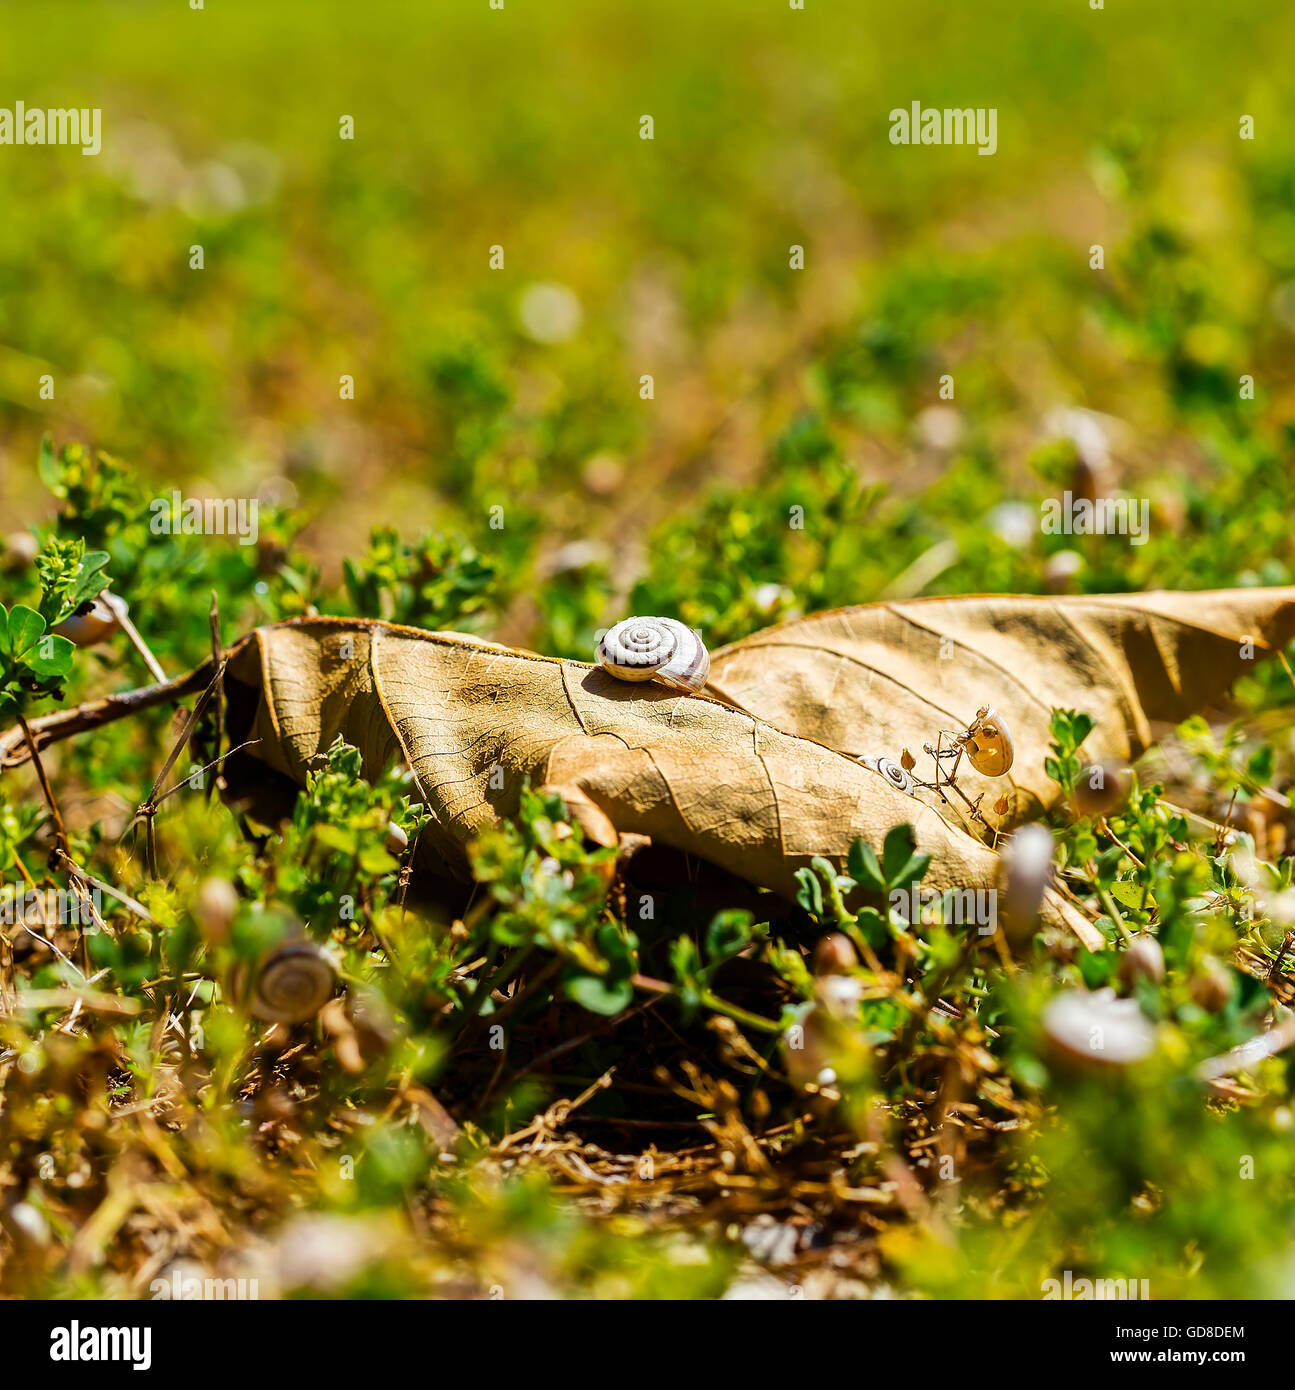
[215, 907]
[294, 981]
[988, 742]
[834, 954]
[1027, 871]
[18, 552]
[1212, 988]
[1143, 959]
[1101, 789]
[93, 622]
[1097, 1029]
[640, 649]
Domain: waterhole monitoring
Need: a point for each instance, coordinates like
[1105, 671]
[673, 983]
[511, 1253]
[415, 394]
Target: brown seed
[907, 761]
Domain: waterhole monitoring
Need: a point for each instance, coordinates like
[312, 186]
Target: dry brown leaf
[689, 771]
[875, 679]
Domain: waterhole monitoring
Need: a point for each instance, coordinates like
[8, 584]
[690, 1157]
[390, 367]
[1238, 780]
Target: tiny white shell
[640, 649]
[1098, 1029]
[892, 771]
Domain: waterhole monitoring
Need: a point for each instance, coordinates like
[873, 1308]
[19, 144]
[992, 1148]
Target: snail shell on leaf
[640, 649]
[892, 771]
[93, 622]
[988, 742]
[294, 981]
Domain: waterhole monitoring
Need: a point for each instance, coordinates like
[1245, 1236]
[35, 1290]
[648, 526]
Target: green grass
[778, 393]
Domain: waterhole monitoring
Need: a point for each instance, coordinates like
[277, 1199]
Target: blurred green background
[477, 388]
[775, 390]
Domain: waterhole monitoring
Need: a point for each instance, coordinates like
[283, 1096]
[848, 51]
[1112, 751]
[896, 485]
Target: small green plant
[34, 663]
[1069, 729]
[439, 582]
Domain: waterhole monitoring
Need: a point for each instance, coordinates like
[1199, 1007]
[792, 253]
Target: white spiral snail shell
[640, 649]
[892, 771]
[293, 982]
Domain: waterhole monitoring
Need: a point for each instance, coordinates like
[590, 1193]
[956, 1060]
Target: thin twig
[184, 781]
[1286, 666]
[148, 808]
[94, 714]
[122, 615]
[46, 790]
[125, 899]
[1249, 1053]
[216, 649]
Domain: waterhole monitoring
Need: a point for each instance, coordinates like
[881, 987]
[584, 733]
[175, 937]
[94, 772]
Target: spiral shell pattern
[892, 771]
[895, 775]
[295, 981]
[640, 649]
